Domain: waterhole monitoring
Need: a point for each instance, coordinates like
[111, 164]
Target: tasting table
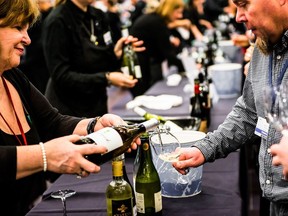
[220, 194]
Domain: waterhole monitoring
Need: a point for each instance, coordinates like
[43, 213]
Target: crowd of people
[75, 54]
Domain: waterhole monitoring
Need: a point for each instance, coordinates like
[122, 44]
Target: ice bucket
[227, 79]
[174, 184]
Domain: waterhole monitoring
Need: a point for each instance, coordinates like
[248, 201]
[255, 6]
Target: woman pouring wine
[34, 136]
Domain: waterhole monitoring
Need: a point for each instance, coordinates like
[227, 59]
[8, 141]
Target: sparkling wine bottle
[119, 197]
[148, 187]
[116, 139]
[146, 115]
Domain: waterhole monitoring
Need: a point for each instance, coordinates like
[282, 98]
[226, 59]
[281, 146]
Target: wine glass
[283, 108]
[271, 97]
[277, 115]
[165, 145]
[63, 195]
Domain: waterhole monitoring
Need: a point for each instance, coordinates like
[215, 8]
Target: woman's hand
[65, 157]
[136, 44]
[121, 80]
[108, 120]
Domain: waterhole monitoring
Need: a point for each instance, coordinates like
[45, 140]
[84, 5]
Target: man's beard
[264, 45]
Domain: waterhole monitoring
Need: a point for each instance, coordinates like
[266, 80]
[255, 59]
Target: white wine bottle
[130, 64]
[126, 178]
[116, 139]
[148, 186]
[119, 197]
[167, 123]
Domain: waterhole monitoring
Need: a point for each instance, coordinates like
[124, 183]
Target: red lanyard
[17, 118]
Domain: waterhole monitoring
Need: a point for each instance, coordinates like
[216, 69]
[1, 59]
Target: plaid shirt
[239, 126]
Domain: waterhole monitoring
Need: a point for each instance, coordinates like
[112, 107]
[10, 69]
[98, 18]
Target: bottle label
[140, 204]
[125, 70]
[107, 137]
[158, 201]
[122, 207]
[138, 73]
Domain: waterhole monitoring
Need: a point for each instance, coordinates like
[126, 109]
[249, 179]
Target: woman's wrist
[44, 157]
[91, 125]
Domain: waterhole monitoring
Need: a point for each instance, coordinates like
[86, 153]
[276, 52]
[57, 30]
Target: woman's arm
[61, 156]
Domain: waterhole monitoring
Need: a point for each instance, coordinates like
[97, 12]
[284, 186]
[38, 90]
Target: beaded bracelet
[43, 156]
[91, 124]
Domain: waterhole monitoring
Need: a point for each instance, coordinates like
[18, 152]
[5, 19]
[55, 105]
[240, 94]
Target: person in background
[138, 9]
[152, 28]
[214, 8]
[33, 62]
[195, 13]
[82, 58]
[34, 137]
[110, 8]
[268, 66]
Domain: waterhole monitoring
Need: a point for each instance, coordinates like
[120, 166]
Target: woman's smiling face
[12, 43]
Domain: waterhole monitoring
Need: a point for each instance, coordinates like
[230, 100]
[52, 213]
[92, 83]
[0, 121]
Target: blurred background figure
[82, 58]
[110, 8]
[214, 8]
[153, 29]
[195, 13]
[137, 9]
[33, 62]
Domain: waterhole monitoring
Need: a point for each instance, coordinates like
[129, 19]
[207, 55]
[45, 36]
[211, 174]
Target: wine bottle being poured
[117, 139]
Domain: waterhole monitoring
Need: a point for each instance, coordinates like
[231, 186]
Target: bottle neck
[145, 152]
[117, 170]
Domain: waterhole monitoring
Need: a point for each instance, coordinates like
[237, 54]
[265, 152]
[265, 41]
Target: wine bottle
[197, 107]
[125, 177]
[130, 64]
[116, 139]
[148, 187]
[146, 115]
[119, 197]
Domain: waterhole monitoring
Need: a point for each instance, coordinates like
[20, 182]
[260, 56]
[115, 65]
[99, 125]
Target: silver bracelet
[43, 156]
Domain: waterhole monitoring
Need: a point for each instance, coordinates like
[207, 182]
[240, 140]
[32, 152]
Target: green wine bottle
[119, 197]
[130, 64]
[146, 115]
[116, 139]
[126, 178]
[148, 187]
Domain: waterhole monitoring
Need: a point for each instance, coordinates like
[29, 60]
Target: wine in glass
[63, 195]
[165, 145]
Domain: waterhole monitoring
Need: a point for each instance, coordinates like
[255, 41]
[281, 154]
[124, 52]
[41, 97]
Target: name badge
[107, 38]
[262, 128]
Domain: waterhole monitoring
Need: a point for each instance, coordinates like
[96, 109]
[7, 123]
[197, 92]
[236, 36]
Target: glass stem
[64, 205]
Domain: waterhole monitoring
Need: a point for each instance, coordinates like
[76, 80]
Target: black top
[77, 66]
[213, 8]
[46, 123]
[152, 29]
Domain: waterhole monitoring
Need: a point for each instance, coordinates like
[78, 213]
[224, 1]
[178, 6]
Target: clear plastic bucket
[174, 184]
